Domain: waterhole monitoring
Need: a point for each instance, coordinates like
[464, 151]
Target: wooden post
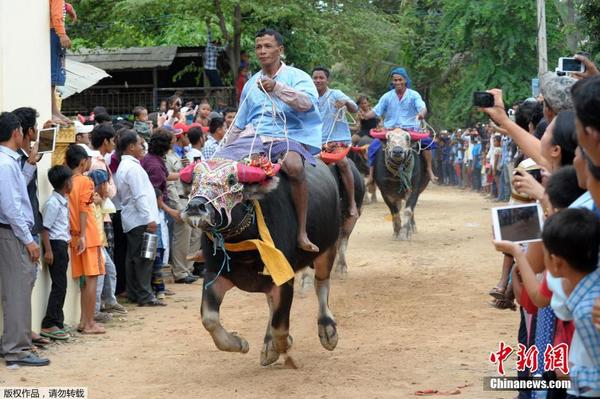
[541, 38]
[155, 103]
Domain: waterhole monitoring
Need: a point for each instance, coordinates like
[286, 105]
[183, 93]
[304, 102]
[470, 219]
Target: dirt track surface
[411, 316]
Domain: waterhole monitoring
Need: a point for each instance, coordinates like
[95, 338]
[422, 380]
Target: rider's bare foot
[432, 177]
[353, 210]
[305, 244]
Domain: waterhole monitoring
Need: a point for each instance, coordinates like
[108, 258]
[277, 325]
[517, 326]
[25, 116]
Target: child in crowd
[100, 179]
[196, 138]
[87, 262]
[55, 238]
[571, 239]
[534, 295]
[216, 134]
[229, 116]
[141, 124]
[106, 301]
[162, 251]
[203, 113]
[497, 164]
[459, 155]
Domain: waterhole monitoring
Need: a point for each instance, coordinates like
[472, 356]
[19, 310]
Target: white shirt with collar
[136, 194]
[193, 154]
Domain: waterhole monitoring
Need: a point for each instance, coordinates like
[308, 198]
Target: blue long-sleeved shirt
[400, 112]
[335, 126]
[15, 208]
[580, 304]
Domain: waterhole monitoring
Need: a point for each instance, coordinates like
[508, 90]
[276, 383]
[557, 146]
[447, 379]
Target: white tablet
[47, 140]
[518, 223]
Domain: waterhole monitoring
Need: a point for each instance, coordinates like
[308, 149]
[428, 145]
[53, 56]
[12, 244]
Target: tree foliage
[450, 47]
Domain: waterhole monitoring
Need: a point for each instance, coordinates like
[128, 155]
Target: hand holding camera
[492, 104]
[590, 68]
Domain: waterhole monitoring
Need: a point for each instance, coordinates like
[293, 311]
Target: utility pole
[541, 38]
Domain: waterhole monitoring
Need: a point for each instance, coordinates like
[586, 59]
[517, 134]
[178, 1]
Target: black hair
[565, 136]
[215, 124]
[8, 123]
[126, 138]
[100, 133]
[562, 187]
[195, 134]
[157, 192]
[574, 235]
[538, 114]
[27, 117]
[102, 118]
[228, 110]
[586, 97]
[160, 142]
[523, 114]
[540, 129]
[171, 100]
[322, 69]
[59, 175]
[100, 110]
[361, 99]
[137, 111]
[270, 32]
[122, 125]
[75, 154]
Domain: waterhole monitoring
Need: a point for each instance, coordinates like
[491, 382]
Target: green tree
[450, 47]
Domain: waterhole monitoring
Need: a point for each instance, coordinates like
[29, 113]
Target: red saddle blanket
[381, 134]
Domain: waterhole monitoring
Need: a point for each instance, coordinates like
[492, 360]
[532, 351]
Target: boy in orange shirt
[87, 262]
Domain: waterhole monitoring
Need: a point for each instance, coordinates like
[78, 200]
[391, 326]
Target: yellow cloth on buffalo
[276, 264]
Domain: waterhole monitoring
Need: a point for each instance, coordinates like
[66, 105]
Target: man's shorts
[58, 75]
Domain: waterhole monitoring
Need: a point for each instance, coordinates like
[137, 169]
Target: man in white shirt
[139, 215]
[18, 251]
[196, 138]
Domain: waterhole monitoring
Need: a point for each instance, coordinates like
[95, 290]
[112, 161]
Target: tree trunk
[234, 42]
[572, 31]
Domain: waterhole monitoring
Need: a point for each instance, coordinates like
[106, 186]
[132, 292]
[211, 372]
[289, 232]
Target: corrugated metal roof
[126, 58]
[79, 77]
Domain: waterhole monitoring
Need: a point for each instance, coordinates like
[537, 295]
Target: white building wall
[25, 81]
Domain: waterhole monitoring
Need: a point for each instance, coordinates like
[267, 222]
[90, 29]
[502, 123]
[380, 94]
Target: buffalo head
[220, 187]
[398, 148]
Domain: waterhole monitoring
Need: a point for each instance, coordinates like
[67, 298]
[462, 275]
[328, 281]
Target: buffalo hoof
[328, 334]
[307, 282]
[404, 235]
[340, 272]
[234, 343]
[269, 355]
[243, 345]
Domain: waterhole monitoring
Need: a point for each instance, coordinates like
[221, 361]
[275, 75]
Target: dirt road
[411, 316]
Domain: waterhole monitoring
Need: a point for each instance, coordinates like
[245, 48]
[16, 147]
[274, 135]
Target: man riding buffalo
[401, 108]
[279, 106]
[332, 106]
[255, 220]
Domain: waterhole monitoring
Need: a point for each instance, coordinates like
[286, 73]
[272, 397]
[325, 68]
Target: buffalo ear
[257, 191]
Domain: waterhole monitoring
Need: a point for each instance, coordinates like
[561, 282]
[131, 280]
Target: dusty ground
[411, 315]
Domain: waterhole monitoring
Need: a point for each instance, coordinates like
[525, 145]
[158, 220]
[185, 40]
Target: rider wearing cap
[402, 108]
